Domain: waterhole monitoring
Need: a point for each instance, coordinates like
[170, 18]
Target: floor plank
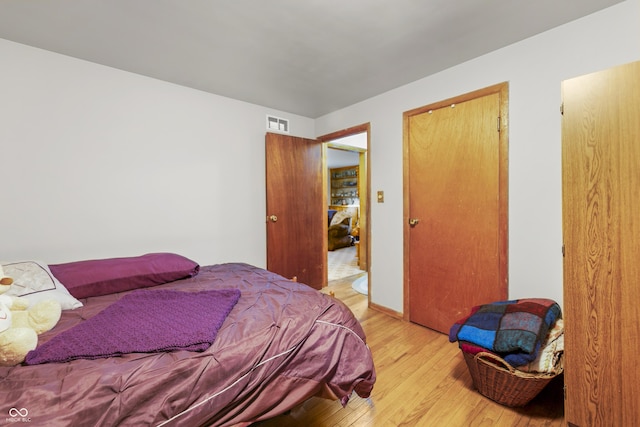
[422, 380]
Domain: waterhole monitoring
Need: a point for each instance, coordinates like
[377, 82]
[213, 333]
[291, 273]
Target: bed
[281, 343]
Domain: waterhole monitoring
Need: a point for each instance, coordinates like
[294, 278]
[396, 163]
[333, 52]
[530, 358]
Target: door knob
[413, 222]
[273, 218]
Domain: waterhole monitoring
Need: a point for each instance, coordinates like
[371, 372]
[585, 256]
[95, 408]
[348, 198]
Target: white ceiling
[307, 57]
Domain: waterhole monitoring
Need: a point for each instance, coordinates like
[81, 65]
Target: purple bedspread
[144, 321]
[282, 343]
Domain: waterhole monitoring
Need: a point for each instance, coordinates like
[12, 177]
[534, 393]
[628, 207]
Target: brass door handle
[273, 218]
[413, 222]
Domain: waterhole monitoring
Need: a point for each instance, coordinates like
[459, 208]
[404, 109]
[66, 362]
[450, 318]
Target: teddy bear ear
[4, 280]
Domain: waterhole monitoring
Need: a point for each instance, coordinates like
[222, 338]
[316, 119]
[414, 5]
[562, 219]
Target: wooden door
[296, 209]
[601, 232]
[456, 248]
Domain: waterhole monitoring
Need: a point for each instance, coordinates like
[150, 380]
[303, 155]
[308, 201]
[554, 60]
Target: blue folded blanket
[513, 329]
[143, 321]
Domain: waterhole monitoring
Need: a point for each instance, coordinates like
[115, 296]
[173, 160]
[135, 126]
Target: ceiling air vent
[277, 124]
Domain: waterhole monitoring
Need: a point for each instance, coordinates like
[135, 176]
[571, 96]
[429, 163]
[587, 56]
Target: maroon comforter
[282, 343]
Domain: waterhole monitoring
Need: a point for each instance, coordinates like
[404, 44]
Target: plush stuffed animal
[20, 324]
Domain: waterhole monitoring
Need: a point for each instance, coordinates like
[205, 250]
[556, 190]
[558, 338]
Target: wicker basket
[499, 381]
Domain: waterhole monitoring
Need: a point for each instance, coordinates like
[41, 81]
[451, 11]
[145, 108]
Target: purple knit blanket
[143, 321]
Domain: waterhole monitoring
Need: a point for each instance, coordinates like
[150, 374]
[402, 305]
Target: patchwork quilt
[513, 329]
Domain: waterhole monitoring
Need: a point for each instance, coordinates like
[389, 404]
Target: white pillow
[33, 280]
[339, 217]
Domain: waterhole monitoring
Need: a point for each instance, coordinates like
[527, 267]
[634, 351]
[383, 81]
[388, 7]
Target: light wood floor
[422, 380]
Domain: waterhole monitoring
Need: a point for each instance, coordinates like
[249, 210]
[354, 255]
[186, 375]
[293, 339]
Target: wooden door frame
[503, 181]
[364, 160]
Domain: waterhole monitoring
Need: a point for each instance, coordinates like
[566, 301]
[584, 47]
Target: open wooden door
[455, 235]
[296, 209]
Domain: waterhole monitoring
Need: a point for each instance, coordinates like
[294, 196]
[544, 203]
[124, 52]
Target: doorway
[346, 163]
[343, 198]
[455, 206]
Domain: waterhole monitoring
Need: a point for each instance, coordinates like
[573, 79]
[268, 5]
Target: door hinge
[498, 123]
[562, 109]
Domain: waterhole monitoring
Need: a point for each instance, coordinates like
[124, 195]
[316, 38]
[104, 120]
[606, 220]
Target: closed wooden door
[601, 232]
[455, 231]
[296, 210]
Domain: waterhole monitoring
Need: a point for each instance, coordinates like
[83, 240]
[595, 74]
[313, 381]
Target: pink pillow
[92, 278]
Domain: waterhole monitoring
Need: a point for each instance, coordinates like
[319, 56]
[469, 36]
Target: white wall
[340, 158]
[534, 69]
[97, 162]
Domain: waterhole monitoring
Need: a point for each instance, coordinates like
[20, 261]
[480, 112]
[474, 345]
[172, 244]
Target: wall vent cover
[278, 124]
